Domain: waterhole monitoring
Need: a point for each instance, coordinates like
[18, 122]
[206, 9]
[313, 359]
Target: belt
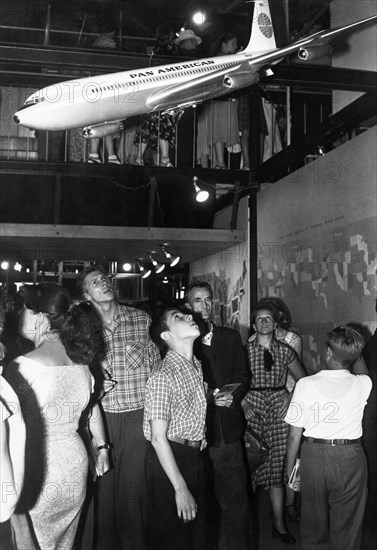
[270, 388]
[186, 442]
[332, 442]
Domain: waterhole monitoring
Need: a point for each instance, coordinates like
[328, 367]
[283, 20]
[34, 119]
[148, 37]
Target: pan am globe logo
[265, 25]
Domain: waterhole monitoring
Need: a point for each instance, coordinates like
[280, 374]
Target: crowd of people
[121, 432]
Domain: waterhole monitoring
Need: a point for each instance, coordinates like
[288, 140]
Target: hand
[186, 505]
[102, 462]
[223, 399]
[108, 385]
[248, 411]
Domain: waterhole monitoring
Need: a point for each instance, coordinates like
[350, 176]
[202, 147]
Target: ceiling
[54, 243]
[144, 19]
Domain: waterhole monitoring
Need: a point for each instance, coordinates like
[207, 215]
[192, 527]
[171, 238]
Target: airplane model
[99, 104]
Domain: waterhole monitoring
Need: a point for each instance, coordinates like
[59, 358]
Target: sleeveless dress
[52, 399]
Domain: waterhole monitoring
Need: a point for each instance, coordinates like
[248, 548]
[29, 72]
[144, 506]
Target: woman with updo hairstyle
[54, 386]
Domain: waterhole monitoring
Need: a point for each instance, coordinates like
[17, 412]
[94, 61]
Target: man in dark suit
[222, 355]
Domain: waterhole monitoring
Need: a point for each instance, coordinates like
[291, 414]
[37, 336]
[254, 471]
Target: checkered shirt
[127, 355]
[175, 393]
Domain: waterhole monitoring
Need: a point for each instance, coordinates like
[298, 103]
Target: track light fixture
[173, 260]
[201, 195]
[144, 272]
[157, 266]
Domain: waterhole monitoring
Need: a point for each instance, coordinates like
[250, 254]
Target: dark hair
[198, 284]
[283, 315]
[69, 321]
[222, 39]
[157, 327]
[82, 275]
[346, 344]
[269, 308]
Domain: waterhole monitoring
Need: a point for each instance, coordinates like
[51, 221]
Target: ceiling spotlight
[17, 266]
[201, 195]
[268, 72]
[173, 260]
[199, 17]
[157, 266]
[127, 266]
[144, 272]
[4, 265]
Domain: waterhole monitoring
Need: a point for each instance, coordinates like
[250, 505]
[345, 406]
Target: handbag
[257, 448]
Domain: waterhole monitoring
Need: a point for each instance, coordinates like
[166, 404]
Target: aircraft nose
[16, 119]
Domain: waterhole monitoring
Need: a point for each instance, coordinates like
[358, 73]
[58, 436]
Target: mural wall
[317, 243]
[227, 272]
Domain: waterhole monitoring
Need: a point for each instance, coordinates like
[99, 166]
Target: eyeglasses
[268, 360]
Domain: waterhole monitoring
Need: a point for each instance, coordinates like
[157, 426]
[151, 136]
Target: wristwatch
[106, 446]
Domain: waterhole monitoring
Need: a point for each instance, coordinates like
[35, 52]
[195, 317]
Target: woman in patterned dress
[265, 406]
[285, 333]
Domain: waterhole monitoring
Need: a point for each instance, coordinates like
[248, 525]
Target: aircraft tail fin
[262, 37]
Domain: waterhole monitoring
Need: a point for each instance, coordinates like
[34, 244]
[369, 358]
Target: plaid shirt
[282, 355]
[175, 393]
[127, 356]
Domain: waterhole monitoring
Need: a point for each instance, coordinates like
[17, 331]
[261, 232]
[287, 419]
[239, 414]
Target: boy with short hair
[328, 407]
[174, 423]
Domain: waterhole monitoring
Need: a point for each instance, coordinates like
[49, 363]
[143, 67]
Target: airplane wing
[223, 81]
[321, 38]
[197, 90]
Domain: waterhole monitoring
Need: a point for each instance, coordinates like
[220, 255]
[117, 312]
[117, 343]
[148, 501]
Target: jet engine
[102, 130]
[314, 52]
[240, 80]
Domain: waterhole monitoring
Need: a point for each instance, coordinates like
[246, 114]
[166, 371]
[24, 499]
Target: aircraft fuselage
[116, 96]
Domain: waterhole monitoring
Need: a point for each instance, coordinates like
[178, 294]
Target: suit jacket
[224, 362]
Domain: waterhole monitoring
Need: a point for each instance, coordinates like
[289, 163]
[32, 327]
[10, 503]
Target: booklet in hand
[227, 388]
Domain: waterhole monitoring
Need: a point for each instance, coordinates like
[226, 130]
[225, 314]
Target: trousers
[165, 530]
[334, 492]
[230, 484]
[121, 499]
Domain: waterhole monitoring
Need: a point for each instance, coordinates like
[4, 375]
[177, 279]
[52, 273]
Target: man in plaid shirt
[127, 356]
[174, 423]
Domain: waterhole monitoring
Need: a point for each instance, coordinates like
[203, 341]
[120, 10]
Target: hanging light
[144, 272]
[199, 18]
[173, 259]
[201, 195]
[157, 266]
[127, 266]
[17, 266]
